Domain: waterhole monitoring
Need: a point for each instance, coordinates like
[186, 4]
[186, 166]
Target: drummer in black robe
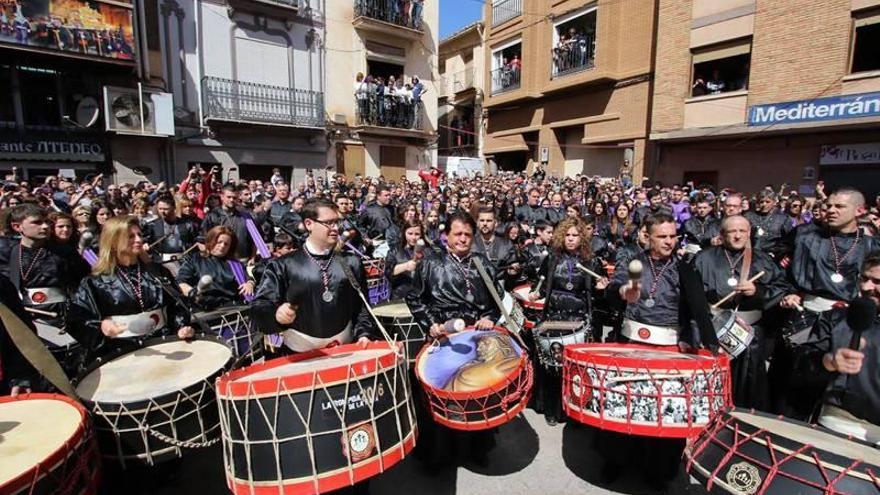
[529, 214]
[167, 236]
[721, 271]
[127, 298]
[229, 214]
[823, 273]
[307, 295]
[215, 278]
[699, 231]
[403, 260]
[770, 227]
[658, 311]
[17, 376]
[448, 287]
[851, 402]
[351, 234]
[568, 296]
[500, 251]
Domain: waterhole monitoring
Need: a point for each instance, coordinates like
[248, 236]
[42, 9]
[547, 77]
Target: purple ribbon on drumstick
[90, 256]
[240, 277]
[262, 248]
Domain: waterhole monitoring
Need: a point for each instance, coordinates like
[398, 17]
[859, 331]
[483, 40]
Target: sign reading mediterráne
[832, 108]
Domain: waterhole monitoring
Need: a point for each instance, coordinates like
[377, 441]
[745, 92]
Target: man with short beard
[378, 215]
[167, 235]
[699, 230]
[529, 214]
[770, 227]
[500, 251]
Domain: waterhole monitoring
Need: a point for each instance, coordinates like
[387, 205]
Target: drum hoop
[81, 435]
[725, 420]
[142, 343]
[240, 310]
[575, 354]
[511, 377]
[229, 388]
[526, 302]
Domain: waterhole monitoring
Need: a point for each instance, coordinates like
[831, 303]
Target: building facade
[248, 83]
[785, 92]
[568, 85]
[380, 120]
[460, 94]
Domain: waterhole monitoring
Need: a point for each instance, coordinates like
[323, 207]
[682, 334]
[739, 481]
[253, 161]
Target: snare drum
[747, 453]
[66, 350]
[378, 288]
[317, 421]
[533, 310]
[475, 379]
[398, 319]
[734, 334]
[644, 390]
[152, 404]
[233, 325]
[553, 336]
[46, 446]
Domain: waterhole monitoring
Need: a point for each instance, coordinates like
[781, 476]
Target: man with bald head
[823, 274]
[728, 268]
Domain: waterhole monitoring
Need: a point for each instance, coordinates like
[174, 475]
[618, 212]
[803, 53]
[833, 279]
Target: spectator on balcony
[515, 63]
[418, 90]
[715, 84]
[379, 101]
[699, 86]
[417, 6]
[362, 95]
[404, 12]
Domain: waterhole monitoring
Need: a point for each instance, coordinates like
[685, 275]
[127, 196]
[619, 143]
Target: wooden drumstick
[727, 297]
[50, 314]
[151, 246]
[589, 272]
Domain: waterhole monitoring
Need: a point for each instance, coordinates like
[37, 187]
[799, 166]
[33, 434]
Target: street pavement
[530, 458]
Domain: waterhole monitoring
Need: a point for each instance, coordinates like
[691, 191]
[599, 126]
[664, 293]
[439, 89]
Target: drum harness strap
[494, 293]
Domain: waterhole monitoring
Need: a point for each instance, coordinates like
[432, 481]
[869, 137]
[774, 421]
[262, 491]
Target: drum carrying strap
[516, 330]
[357, 288]
[33, 349]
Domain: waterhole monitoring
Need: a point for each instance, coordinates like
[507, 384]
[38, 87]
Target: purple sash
[262, 248]
[90, 256]
[240, 277]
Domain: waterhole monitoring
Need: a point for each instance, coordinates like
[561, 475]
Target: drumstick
[589, 272]
[538, 287]
[150, 246]
[50, 314]
[727, 297]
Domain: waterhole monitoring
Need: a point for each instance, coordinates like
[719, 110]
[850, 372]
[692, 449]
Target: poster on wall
[90, 28]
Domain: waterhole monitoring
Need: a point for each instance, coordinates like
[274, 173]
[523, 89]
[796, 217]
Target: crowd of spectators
[401, 12]
[389, 102]
[574, 50]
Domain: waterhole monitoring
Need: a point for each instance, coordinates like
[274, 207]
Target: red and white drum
[317, 421]
[533, 310]
[744, 452]
[644, 390]
[475, 379]
[46, 446]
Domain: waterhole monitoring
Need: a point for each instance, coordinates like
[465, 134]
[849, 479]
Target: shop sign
[849, 154]
[819, 109]
[57, 147]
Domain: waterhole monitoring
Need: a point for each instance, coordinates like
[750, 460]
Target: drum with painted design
[734, 334]
[552, 337]
[317, 421]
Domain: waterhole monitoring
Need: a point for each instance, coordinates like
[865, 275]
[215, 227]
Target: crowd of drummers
[785, 285]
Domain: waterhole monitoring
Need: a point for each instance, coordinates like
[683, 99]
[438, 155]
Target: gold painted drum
[46, 446]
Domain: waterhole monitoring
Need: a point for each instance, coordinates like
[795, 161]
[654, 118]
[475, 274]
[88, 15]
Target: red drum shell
[497, 404]
[72, 466]
[519, 290]
[578, 358]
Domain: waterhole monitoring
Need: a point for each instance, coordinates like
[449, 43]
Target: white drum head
[31, 430]
[643, 354]
[396, 310]
[522, 292]
[54, 335]
[814, 437]
[317, 363]
[153, 371]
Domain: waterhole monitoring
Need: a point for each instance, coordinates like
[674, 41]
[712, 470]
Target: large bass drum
[749, 453]
[317, 421]
[395, 316]
[46, 447]
[156, 403]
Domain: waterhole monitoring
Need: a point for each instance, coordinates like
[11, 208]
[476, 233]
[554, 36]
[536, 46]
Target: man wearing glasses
[307, 295]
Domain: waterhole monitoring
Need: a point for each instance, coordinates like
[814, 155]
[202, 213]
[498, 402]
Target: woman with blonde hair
[126, 298]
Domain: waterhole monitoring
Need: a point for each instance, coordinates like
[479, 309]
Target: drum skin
[404, 327]
[71, 468]
[533, 310]
[328, 434]
[481, 409]
[745, 452]
[669, 388]
[175, 414]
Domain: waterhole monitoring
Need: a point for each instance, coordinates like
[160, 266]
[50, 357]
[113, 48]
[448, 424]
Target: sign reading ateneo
[832, 108]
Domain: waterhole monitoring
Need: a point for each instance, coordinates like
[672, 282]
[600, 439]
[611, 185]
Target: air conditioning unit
[138, 111]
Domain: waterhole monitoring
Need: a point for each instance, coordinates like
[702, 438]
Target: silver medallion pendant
[760, 232]
[469, 297]
[732, 282]
[837, 278]
[569, 286]
[649, 303]
[327, 296]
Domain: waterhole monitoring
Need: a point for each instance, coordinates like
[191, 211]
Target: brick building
[568, 84]
[747, 93]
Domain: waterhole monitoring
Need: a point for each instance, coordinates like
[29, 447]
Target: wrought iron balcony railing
[404, 13]
[505, 79]
[261, 103]
[395, 111]
[574, 56]
[505, 10]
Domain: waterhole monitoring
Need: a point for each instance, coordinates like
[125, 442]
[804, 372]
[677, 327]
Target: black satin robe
[439, 290]
[700, 231]
[402, 283]
[223, 289]
[235, 220]
[15, 370]
[376, 219]
[561, 302]
[770, 233]
[183, 235]
[296, 279]
[102, 296]
[530, 215]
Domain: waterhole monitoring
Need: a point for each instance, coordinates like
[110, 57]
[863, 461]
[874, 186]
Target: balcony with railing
[505, 10]
[574, 55]
[395, 17]
[247, 102]
[390, 111]
[505, 79]
[285, 8]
